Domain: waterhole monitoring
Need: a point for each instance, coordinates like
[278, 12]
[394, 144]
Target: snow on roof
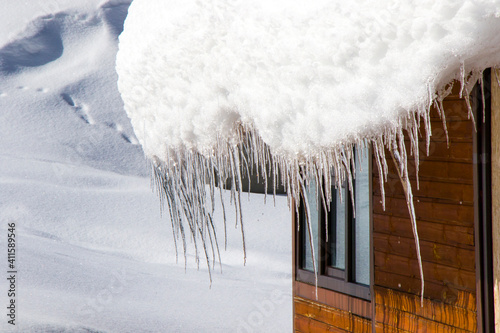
[296, 83]
[305, 76]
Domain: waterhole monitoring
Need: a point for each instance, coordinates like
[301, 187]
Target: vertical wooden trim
[372, 255]
[477, 212]
[294, 248]
[482, 204]
[495, 191]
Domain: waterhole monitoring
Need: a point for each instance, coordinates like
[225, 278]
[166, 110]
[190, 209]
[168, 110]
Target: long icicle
[398, 154]
[309, 228]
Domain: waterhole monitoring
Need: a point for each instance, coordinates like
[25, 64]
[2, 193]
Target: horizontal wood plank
[430, 189]
[412, 285]
[460, 215]
[436, 232]
[440, 274]
[438, 170]
[326, 316]
[321, 313]
[334, 299]
[461, 314]
[452, 256]
[447, 151]
[409, 322]
[308, 325]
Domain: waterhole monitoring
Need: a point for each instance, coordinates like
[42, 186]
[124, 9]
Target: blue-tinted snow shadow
[38, 49]
[115, 13]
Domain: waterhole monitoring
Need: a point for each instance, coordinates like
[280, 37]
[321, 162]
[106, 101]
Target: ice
[399, 157]
[295, 88]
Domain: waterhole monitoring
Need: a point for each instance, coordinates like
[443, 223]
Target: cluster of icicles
[182, 179]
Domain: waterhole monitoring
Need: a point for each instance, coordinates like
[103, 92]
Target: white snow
[305, 77]
[296, 84]
[93, 253]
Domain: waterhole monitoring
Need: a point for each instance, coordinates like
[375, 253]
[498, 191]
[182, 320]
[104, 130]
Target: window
[342, 248]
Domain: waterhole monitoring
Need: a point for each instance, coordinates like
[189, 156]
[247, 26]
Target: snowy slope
[93, 252]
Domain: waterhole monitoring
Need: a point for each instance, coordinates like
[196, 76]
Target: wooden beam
[495, 189]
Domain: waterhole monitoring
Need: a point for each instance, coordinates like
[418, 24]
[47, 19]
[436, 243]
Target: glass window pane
[336, 229]
[313, 207]
[362, 220]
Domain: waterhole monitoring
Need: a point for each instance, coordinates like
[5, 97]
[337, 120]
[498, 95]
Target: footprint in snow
[81, 110]
[119, 129]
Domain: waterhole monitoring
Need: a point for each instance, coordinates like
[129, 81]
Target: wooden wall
[444, 206]
[331, 312]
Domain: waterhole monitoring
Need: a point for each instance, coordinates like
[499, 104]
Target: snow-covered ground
[93, 253]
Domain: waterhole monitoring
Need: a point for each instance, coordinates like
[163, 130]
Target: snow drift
[215, 87]
[92, 251]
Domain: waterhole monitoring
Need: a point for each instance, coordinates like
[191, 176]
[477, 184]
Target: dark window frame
[330, 277]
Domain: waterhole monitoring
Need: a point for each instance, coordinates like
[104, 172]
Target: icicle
[413, 133]
[428, 129]
[348, 159]
[439, 107]
[320, 186]
[462, 79]
[398, 153]
[235, 165]
[224, 217]
[482, 96]
[496, 75]
[309, 228]
[467, 85]
[275, 181]
[380, 170]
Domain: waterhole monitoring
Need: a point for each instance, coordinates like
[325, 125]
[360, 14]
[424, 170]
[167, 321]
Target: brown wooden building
[456, 205]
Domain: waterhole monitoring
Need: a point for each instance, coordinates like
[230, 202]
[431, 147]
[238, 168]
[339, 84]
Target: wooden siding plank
[383, 328]
[446, 293]
[460, 215]
[433, 272]
[430, 309]
[308, 325]
[444, 171]
[460, 315]
[412, 323]
[441, 233]
[334, 299]
[453, 193]
[460, 152]
[324, 316]
[458, 130]
[447, 255]
[361, 325]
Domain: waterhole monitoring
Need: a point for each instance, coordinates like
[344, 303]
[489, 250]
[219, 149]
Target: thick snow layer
[94, 253]
[305, 76]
